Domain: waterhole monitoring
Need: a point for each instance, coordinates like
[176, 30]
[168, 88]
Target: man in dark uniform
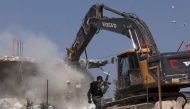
[97, 92]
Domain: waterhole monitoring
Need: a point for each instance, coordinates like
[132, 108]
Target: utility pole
[47, 93]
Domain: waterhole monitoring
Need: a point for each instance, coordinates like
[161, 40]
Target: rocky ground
[178, 104]
[13, 103]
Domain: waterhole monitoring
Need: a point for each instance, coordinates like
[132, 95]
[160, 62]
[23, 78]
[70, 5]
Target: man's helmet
[99, 77]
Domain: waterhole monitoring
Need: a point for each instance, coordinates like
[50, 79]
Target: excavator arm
[129, 25]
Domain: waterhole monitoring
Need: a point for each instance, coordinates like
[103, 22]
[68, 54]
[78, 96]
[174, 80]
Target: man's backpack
[94, 90]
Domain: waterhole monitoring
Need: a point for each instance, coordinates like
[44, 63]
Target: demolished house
[36, 83]
[23, 79]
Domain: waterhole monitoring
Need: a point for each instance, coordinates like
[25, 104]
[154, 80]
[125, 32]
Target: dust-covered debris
[33, 85]
[78, 86]
[68, 82]
[174, 21]
[183, 24]
[25, 77]
[10, 103]
[97, 63]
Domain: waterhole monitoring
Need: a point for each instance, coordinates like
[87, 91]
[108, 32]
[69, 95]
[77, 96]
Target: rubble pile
[10, 103]
[168, 104]
[13, 103]
[172, 105]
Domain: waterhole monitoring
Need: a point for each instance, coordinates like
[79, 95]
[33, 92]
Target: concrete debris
[16, 58]
[13, 103]
[187, 106]
[165, 105]
[113, 99]
[36, 107]
[10, 103]
[180, 101]
[173, 104]
[17, 106]
[27, 59]
[138, 106]
[176, 105]
[83, 94]
[37, 102]
[98, 61]
[90, 106]
[93, 63]
[68, 82]
[172, 7]
[61, 95]
[78, 86]
[184, 24]
[174, 21]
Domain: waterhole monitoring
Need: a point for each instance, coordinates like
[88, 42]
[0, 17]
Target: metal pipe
[113, 10]
[20, 47]
[147, 90]
[132, 39]
[185, 45]
[137, 39]
[14, 46]
[17, 48]
[47, 93]
[159, 86]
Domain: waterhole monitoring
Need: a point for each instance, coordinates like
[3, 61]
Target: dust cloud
[67, 85]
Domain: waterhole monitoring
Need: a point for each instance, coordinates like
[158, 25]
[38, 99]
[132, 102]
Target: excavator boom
[129, 25]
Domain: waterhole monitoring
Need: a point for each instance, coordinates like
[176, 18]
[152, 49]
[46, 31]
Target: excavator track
[134, 100]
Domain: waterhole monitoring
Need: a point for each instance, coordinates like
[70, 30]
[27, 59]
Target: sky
[60, 20]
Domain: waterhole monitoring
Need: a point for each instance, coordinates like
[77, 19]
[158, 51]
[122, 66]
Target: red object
[14, 46]
[171, 63]
[146, 41]
[185, 45]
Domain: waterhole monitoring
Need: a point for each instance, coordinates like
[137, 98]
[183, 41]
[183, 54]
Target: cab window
[124, 76]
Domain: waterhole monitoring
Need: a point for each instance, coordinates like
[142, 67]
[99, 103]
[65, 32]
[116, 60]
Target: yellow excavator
[142, 71]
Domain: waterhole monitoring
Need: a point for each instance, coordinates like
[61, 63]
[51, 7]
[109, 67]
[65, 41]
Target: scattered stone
[10, 103]
[165, 105]
[68, 82]
[78, 86]
[187, 106]
[180, 101]
[184, 24]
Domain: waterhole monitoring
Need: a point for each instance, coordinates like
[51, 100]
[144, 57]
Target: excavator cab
[130, 73]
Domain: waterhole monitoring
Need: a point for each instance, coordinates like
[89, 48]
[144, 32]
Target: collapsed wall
[26, 78]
